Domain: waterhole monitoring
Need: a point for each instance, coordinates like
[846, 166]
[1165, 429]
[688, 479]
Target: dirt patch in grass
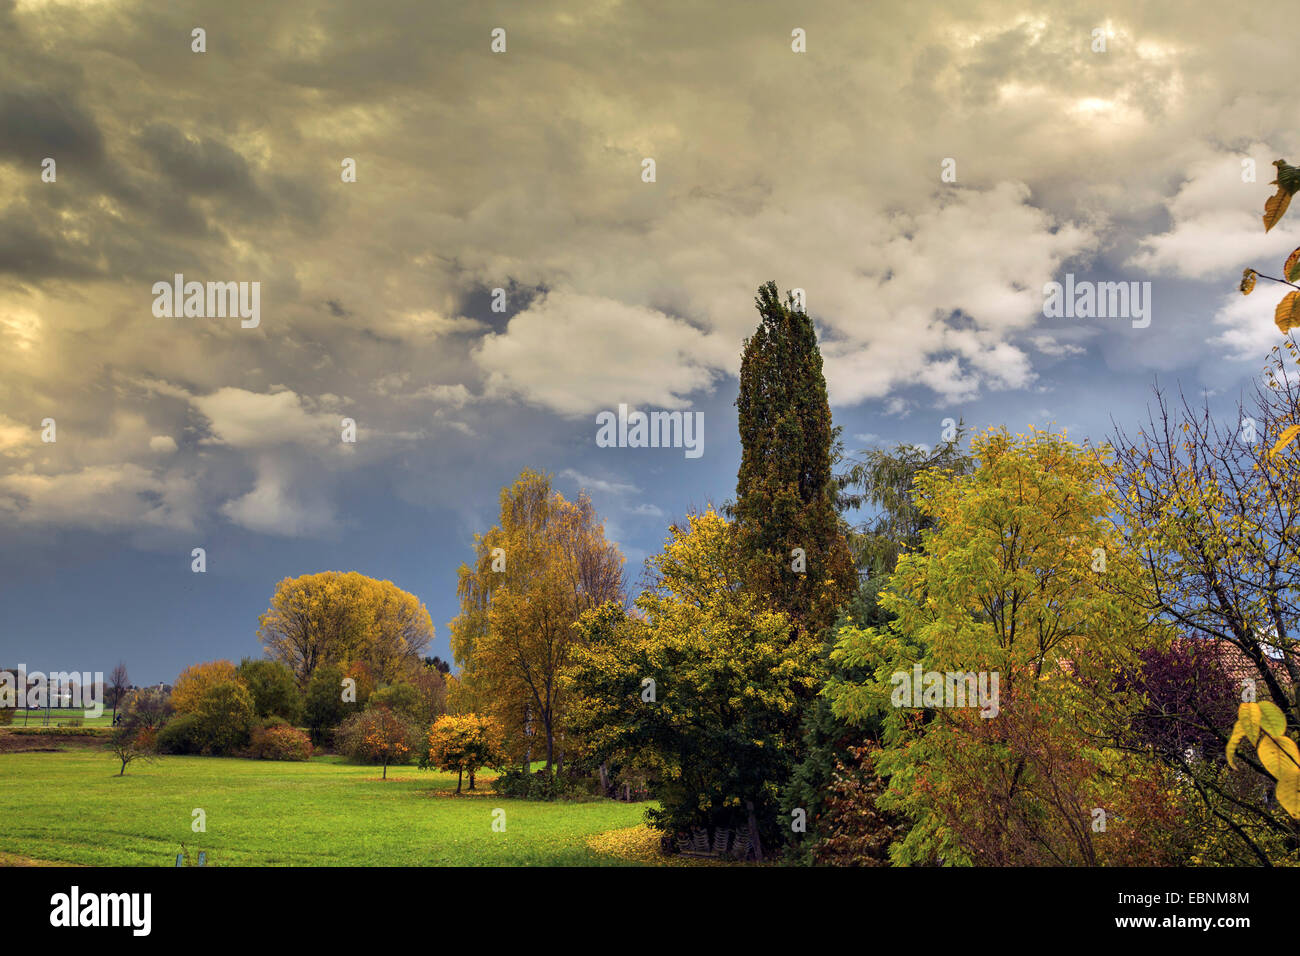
[34, 743]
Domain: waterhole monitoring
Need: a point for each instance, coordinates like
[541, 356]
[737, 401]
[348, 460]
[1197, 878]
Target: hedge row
[57, 731]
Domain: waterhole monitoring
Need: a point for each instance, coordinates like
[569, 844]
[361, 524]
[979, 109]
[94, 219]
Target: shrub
[540, 785]
[280, 743]
[221, 724]
[853, 830]
[226, 717]
[182, 734]
[60, 731]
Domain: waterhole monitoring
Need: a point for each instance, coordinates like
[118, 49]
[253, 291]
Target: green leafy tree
[400, 699]
[829, 741]
[788, 529]
[274, 689]
[324, 706]
[882, 481]
[704, 688]
[225, 716]
[1019, 580]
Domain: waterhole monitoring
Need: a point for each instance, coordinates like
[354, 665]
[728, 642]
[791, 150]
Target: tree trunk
[471, 779]
[385, 769]
[753, 832]
[460, 774]
[604, 779]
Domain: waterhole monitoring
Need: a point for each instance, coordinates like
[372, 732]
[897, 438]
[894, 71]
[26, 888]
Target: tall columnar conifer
[785, 492]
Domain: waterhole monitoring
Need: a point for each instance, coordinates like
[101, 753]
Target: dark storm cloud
[202, 167]
[36, 123]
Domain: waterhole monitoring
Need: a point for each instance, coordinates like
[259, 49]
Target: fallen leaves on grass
[640, 844]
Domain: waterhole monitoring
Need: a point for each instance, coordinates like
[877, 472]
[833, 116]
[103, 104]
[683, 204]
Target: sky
[922, 171]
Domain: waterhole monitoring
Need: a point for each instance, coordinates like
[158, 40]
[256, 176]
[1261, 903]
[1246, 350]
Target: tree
[401, 699]
[830, 748]
[464, 743]
[273, 687]
[363, 681]
[378, 735]
[324, 706]
[131, 743]
[788, 528]
[195, 681]
[1021, 580]
[119, 681]
[339, 617]
[438, 664]
[884, 480]
[431, 685]
[225, 715]
[703, 688]
[1212, 512]
[535, 574]
[147, 708]
[833, 771]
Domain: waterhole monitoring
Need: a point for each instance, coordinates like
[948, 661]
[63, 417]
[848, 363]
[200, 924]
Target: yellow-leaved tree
[196, 680]
[534, 575]
[343, 618]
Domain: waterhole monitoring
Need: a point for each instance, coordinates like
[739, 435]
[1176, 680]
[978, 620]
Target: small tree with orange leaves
[377, 736]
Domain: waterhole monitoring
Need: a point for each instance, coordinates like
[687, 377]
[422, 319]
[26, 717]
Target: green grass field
[71, 807]
[61, 718]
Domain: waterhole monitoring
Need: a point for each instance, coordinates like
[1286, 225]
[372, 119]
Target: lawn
[71, 807]
[61, 718]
